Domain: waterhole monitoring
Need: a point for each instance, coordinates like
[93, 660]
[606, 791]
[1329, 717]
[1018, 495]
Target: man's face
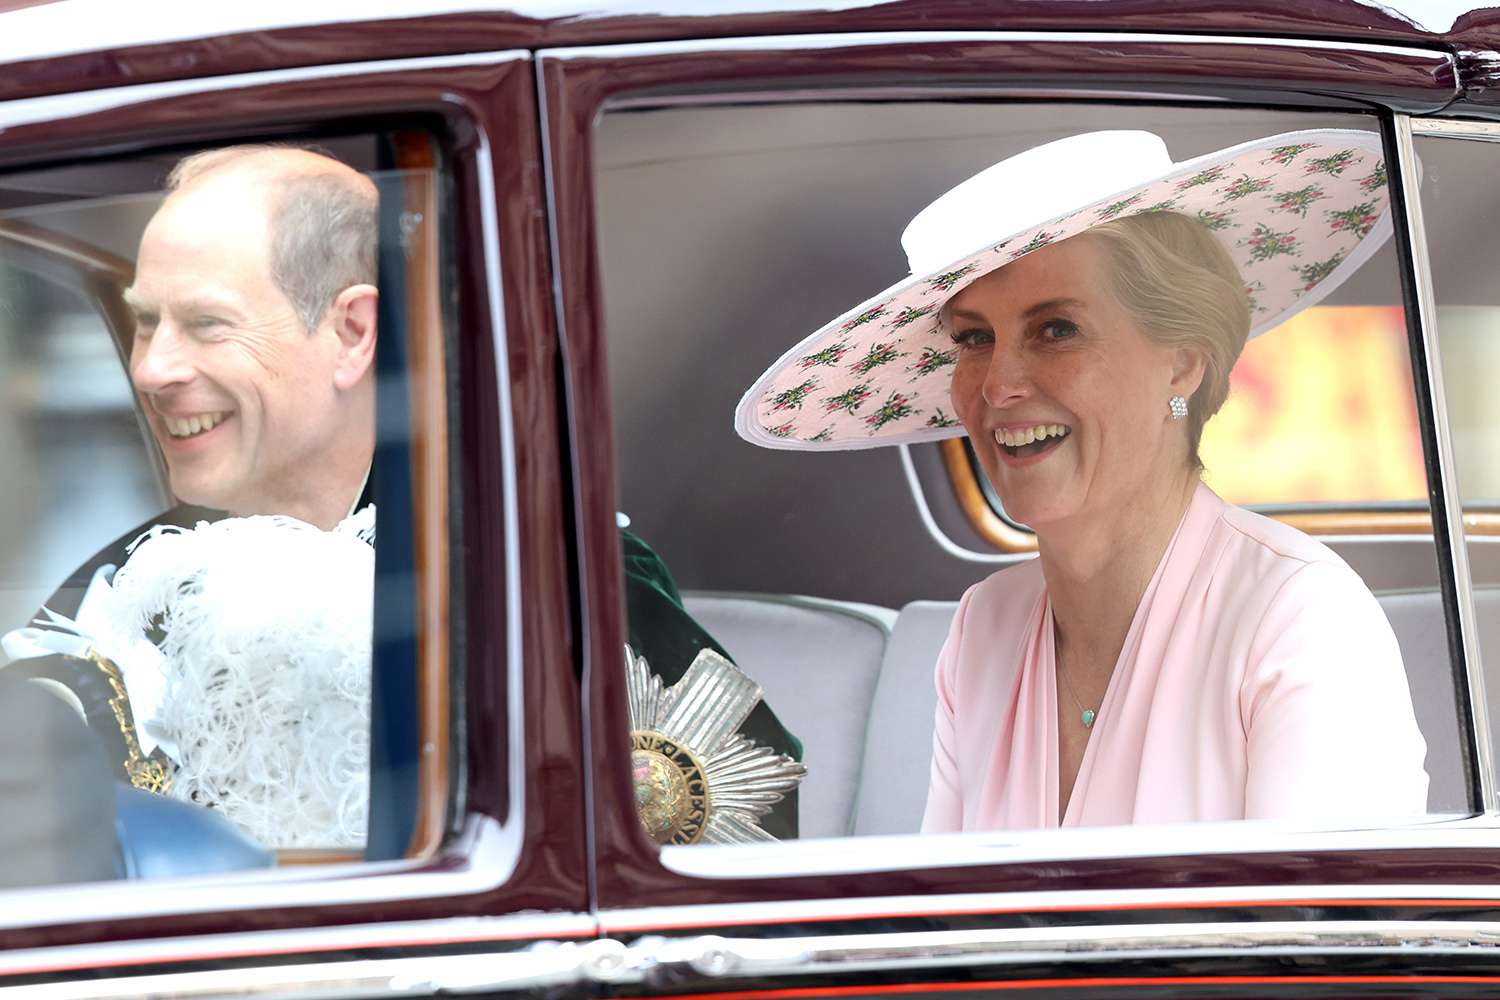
[239, 395]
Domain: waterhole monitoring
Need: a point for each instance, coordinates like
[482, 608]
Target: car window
[832, 578]
[1458, 213]
[202, 628]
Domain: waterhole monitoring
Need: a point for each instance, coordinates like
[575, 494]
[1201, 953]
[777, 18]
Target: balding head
[322, 217]
[256, 315]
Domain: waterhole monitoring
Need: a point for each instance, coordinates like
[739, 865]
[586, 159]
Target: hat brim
[1299, 213]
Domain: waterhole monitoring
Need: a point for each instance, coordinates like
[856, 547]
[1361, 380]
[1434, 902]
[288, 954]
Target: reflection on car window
[1285, 438]
[193, 410]
[1072, 689]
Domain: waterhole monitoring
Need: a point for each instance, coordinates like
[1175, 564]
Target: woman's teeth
[188, 426]
[1028, 435]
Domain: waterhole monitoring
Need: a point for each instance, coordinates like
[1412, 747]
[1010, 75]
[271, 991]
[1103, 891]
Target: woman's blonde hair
[1185, 291]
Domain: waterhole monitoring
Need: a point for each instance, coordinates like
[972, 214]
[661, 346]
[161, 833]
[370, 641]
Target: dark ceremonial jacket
[669, 638]
[659, 629]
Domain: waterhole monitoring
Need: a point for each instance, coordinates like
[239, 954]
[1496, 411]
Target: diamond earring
[1178, 406]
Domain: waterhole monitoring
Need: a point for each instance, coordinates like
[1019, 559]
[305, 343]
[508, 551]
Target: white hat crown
[1055, 177]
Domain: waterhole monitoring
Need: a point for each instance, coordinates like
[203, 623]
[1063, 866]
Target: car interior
[730, 231]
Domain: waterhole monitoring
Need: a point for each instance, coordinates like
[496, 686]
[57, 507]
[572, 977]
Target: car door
[471, 871]
[711, 200]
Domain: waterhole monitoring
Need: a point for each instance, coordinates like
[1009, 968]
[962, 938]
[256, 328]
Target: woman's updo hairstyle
[1185, 291]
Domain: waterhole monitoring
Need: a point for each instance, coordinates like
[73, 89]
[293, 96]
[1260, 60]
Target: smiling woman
[1168, 657]
[1090, 347]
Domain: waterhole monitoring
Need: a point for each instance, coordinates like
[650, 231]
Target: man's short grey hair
[323, 227]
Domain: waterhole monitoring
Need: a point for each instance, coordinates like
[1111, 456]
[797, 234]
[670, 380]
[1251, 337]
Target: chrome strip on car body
[543, 965]
[513, 932]
[1426, 308]
[709, 958]
[721, 958]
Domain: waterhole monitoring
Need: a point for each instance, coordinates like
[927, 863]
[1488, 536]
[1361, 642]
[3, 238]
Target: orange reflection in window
[1320, 410]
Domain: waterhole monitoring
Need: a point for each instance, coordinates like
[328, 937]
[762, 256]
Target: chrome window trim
[1247, 838]
[1426, 316]
[856, 39]
[1444, 129]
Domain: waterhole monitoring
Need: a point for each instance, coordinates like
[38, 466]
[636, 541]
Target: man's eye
[972, 337]
[1059, 329]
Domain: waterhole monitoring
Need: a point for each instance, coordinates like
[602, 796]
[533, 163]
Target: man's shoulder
[66, 598]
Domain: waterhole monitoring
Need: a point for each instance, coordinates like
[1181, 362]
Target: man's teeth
[196, 424]
[1027, 435]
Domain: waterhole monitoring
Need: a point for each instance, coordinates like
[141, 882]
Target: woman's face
[1063, 396]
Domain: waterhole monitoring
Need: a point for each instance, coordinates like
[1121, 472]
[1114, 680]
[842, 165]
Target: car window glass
[822, 575]
[200, 423]
[1459, 214]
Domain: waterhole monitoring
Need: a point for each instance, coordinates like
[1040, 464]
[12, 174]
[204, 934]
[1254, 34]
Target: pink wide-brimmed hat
[1298, 212]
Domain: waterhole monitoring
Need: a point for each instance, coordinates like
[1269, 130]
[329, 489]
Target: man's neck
[323, 508]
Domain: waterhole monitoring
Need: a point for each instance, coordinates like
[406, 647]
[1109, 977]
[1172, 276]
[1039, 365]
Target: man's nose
[159, 361]
[1008, 379]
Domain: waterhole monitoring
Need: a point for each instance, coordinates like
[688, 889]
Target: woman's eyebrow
[1031, 312]
[1050, 305]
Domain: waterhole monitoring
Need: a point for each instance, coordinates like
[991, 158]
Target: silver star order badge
[697, 779]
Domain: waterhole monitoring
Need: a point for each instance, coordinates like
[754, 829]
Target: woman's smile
[1022, 445]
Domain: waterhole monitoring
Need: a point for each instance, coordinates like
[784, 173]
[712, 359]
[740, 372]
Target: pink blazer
[1259, 679]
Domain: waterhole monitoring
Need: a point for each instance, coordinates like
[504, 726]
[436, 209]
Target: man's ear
[1188, 368]
[352, 317]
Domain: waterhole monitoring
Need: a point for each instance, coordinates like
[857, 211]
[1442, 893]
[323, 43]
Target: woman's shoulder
[1276, 557]
[1007, 595]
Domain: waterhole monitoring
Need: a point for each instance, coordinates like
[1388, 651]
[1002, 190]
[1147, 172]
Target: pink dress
[1259, 680]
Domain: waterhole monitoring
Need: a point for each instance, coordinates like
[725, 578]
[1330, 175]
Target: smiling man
[253, 361]
[255, 304]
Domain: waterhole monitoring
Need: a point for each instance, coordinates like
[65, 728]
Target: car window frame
[498, 846]
[578, 83]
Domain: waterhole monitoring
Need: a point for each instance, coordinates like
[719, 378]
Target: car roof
[55, 46]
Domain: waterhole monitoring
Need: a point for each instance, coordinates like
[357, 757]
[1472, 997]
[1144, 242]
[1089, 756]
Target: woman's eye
[973, 337]
[1059, 329]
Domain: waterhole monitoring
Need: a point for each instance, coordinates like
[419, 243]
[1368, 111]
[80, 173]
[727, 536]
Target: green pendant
[1088, 718]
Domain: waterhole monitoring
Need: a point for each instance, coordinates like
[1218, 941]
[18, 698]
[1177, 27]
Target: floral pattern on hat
[1293, 212]
[1300, 200]
[850, 400]
[1284, 155]
[868, 316]
[826, 356]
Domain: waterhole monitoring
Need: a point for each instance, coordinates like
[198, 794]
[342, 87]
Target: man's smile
[192, 424]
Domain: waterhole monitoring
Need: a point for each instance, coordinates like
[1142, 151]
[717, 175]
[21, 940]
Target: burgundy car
[599, 224]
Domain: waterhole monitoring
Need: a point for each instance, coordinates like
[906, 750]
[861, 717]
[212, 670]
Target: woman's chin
[1034, 512]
